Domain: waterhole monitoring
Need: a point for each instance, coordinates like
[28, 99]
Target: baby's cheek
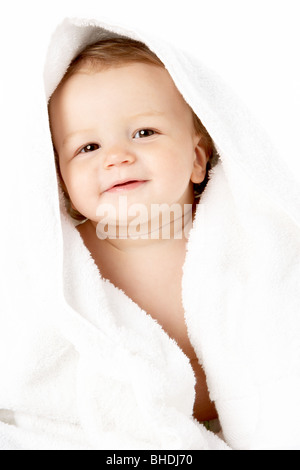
[80, 193]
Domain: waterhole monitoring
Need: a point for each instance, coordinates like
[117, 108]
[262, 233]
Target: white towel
[82, 366]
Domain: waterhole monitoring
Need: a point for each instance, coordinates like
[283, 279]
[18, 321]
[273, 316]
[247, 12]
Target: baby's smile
[125, 185]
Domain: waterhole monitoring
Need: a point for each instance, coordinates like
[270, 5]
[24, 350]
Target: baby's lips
[125, 183]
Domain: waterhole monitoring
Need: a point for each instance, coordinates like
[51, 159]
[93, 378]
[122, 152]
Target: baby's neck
[127, 247]
[150, 237]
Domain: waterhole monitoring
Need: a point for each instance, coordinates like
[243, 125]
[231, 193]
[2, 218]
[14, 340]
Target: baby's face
[125, 131]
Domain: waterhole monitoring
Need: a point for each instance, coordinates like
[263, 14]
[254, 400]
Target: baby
[124, 137]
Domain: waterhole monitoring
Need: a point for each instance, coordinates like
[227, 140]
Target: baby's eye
[89, 148]
[144, 133]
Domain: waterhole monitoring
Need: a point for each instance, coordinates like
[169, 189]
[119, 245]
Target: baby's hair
[116, 52]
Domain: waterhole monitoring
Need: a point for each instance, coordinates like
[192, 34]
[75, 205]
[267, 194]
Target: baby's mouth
[126, 185]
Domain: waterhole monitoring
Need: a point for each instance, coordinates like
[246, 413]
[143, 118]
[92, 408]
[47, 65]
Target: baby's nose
[117, 156]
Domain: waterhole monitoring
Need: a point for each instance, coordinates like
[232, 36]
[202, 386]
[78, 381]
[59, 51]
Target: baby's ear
[200, 162]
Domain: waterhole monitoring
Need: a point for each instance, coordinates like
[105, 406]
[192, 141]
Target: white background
[253, 44]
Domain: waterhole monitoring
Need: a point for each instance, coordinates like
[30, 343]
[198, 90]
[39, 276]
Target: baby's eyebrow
[74, 134]
[147, 114]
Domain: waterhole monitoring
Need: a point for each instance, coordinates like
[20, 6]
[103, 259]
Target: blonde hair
[116, 52]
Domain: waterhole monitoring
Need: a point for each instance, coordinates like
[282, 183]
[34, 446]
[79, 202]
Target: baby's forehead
[87, 67]
[133, 77]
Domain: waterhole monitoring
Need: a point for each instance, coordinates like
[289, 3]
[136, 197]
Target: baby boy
[122, 132]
